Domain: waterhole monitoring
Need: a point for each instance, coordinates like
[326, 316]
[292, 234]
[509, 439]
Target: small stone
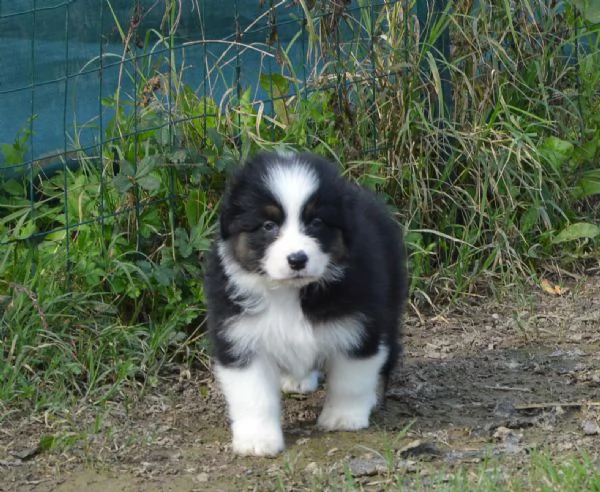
[332, 451]
[312, 467]
[367, 467]
[565, 446]
[505, 434]
[418, 447]
[590, 427]
[501, 433]
[202, 477]
[26, 453]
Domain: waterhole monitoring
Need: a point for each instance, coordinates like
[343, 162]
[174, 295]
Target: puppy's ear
[225, 219]
[229, 208]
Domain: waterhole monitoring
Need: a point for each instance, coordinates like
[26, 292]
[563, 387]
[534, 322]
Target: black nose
[297, 260]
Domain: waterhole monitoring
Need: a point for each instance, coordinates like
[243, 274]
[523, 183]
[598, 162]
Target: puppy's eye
[316, 223]
[270, 226]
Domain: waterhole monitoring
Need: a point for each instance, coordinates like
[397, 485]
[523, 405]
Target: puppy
[308, 272]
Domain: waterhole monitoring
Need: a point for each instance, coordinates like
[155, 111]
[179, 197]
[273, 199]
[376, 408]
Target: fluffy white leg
[253, 400]
[351, 392]
[290, 384]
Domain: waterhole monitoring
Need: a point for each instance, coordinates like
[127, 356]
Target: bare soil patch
[489, 380]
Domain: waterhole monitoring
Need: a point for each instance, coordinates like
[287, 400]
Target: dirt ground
[485, 380]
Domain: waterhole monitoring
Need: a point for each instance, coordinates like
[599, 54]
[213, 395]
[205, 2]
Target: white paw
[257, 438]
[335, 418]
[310, 383]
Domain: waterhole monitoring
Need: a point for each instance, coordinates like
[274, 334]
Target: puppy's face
[282, 222]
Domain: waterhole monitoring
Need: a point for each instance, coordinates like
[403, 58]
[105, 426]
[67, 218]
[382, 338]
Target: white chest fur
[276, 327]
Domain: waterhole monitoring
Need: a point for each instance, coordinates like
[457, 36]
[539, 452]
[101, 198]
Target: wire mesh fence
[92, 81]
[120, 121]
[476, 121]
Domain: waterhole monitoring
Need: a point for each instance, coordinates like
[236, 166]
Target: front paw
[347, 418]
[257, 438]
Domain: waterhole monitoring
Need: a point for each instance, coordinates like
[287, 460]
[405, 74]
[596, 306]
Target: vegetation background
[479, 123]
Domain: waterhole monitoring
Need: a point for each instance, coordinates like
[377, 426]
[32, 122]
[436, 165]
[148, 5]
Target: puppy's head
[283, 219]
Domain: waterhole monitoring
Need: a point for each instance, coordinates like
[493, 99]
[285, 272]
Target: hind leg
[291, 384]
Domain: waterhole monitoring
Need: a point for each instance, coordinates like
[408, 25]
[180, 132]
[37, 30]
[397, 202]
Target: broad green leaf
[225, 163]
[556, 151]
[192, 206]
[25, 231]
[199, 239]
[147, 165]
[529, 218]
[179, 156]
[586, 151]
[215, 136]
[12, 154]
[164, 275]
[590, 9]
[182, 242]
[588, 184]
[122, 183]
[149, 183]
[13, 187]
[150, 222]
[165, 136]
[579, 230]
[561, 147]
[107, 101]
[126, 168]
[56, 236]
[275, 84]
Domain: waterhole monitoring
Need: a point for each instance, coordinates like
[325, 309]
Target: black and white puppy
[308, 273]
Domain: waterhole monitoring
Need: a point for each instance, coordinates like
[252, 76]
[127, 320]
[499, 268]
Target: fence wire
[80, 73]
[156, 99]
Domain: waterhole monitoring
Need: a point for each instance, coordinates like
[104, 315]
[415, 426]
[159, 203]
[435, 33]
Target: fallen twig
[505, 388]
[573, 404]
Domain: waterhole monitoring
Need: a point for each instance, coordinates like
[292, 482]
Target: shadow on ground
[491, 380]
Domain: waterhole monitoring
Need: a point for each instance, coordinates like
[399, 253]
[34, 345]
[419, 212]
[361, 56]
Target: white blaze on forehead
[292, 186]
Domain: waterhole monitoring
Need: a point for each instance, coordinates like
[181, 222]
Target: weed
[101, 266]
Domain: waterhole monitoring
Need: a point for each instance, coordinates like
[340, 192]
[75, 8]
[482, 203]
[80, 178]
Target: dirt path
[492, 379]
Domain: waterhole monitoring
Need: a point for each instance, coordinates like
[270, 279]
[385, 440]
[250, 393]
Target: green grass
[68, 350]
[542, 473]
[537, 471]
[101, 274]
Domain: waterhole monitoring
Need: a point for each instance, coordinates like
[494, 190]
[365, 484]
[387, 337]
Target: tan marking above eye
[309, 208]
[274, 213]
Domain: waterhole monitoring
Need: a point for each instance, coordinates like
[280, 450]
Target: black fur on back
[374, 283]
